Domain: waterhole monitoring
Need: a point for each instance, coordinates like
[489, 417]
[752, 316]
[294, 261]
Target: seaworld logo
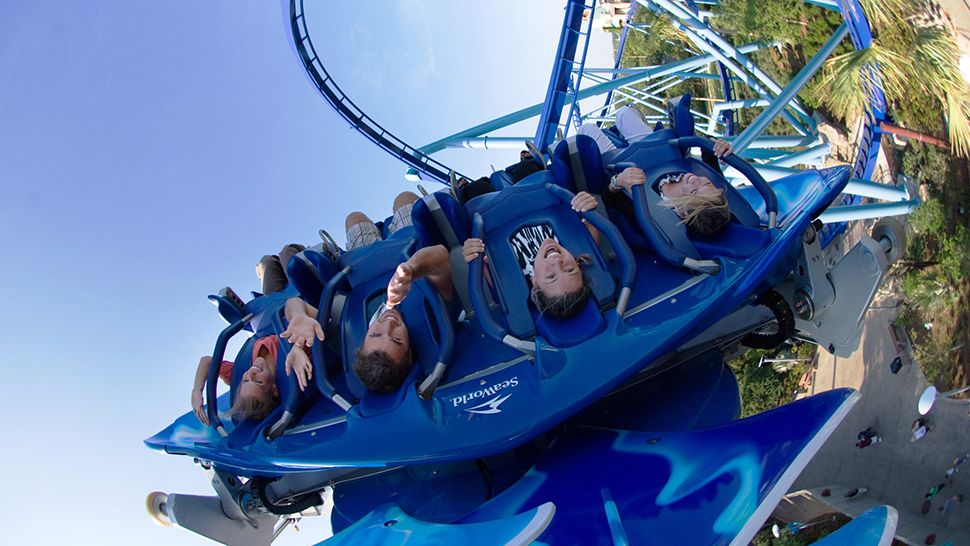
[490, 406]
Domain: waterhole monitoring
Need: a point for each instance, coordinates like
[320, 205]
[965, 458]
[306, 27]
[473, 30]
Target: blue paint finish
[613, 516]
[388, 525]
[690, 487]
[875, 527]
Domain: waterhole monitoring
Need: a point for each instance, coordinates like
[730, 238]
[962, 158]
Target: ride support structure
[575, 83]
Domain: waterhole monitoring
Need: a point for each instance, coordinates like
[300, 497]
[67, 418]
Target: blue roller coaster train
[617, 426]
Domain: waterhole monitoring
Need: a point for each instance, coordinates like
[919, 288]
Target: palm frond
[958, 121]
[841, 84]
[883, 14]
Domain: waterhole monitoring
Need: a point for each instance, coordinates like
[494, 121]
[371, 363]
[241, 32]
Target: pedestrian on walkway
[934, 491]
[856, 491]
[920, 428]
[956, 466]
[868, 441]
[950, 504]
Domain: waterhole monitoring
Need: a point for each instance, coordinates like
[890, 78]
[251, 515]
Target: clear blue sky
[150, 152]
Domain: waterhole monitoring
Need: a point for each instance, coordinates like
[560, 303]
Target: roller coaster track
[358, 119]
[564, 91]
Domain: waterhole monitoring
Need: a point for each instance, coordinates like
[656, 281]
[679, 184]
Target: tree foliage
[763, 387]
[915, 61]
[757, 20]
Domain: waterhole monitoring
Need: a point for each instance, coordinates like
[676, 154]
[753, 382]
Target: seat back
[566, 171]
[422, 331]
[572, 331]
[681, 120]
[734, 241]
[658, 158]
[244, 359]
[530, 205]
[501, 180]
[439, 219]
[308, 271]
[374, 259]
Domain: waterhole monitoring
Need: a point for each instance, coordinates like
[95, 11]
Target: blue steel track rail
[295, 18]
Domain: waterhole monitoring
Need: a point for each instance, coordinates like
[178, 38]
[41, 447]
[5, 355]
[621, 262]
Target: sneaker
[329, 247]
[536, 154]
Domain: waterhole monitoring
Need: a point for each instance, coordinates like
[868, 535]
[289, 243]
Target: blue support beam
[799, 81]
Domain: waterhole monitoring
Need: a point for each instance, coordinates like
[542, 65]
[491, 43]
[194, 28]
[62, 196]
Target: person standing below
[950, 504]
[934, 491]
[867, 441]
[955, 467]
[866, 438]
[855, 492]
[920, 428]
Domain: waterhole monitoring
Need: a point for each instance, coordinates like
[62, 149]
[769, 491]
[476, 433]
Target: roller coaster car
[488, 393]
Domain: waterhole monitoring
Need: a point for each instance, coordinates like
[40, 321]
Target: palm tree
[917, 57]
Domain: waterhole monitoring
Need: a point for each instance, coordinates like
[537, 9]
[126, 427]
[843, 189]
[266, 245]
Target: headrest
[500, 180]
[244, 359]
[375, 259]
[681, 120]
[590, 159]
[372, 403]
[571, 331]
[528, 205]
[541, 177]
[308, 271]
[439, 219]
[815, 189]
[263, 307]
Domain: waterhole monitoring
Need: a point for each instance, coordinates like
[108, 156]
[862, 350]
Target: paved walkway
[897, 471]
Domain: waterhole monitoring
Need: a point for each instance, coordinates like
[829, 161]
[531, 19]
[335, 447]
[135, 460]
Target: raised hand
[298, 362]
[301, 331]
[399, 285]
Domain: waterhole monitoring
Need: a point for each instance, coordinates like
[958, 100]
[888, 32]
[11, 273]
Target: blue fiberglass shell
[875, 527]
[696, 394]
[714, 486]
[494, 398]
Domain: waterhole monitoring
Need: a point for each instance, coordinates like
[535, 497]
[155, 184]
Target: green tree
[757, 20]
[916, 62]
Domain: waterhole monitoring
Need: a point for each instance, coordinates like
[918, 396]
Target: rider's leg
[630, 123]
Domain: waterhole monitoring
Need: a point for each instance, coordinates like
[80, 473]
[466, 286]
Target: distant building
[609, 15]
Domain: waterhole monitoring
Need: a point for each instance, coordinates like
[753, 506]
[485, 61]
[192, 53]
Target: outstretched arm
[197, 396]
[303, 327]
[431, 263]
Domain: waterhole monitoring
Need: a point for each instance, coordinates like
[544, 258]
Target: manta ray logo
[489, 407]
